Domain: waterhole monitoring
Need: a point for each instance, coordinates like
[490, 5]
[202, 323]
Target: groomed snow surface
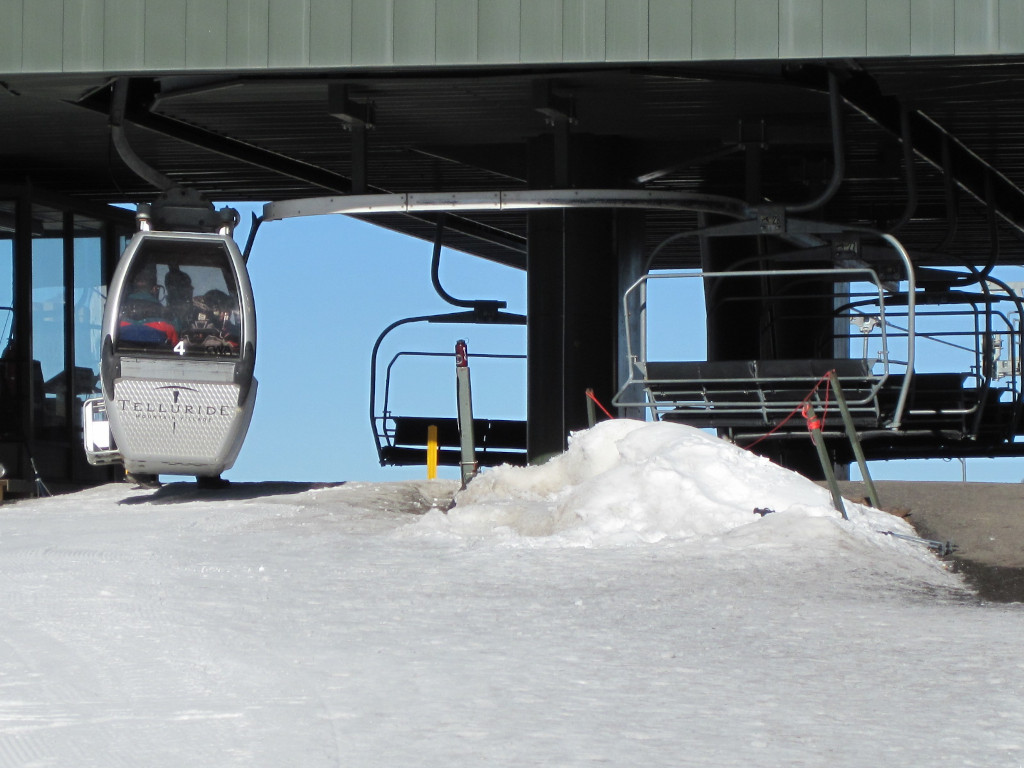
[621, 605]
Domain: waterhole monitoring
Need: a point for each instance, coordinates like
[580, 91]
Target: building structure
[888, 115]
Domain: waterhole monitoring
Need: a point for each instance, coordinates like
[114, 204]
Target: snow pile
[631, 482]
[271, 624]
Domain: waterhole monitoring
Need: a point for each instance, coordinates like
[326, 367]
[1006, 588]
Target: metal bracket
[351, 113]
[752, 133]
[846, 249]
[555, 107]
[356, 118]
[183, 209]
[771, 219]
[560, 113]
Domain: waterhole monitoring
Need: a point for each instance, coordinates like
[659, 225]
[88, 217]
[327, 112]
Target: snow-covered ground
[621, 605]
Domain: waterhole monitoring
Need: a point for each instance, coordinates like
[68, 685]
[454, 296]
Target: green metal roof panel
[248, 34]
[931, 27]
[164, 44]
[624, 34]
[42, 37]
[540, 36]
[757, 29]
[976, 26]
[330, 32]
[584, 32]
[498, 31]
[669, 30]
[844, 27]
[800, 29]
[415, 31]
[888, 28]
[162, 35]
[10, 35]
[714, 30]
[124, 29]
[372, 41]
[1011, 25]
[206, 34]
[82, 36]
[457, 24]
[288, 33]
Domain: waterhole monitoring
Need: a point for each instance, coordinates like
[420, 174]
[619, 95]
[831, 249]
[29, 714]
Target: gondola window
[181, 298]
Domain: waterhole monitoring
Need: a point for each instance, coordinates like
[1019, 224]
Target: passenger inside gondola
[207, 324]
[214, 324]
[179, 289]
[144, 319]
[184, 303]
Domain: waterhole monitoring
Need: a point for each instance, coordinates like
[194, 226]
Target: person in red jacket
[144, 319]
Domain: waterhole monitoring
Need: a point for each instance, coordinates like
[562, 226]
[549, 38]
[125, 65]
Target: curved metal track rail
[507, 200]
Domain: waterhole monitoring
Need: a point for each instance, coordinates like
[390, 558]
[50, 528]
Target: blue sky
[327, 286]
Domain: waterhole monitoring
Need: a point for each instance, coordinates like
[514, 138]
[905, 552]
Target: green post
[851, 432]
[814, 427]
[591, 410]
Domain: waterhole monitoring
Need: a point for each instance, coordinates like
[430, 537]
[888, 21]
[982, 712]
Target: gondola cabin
[179, 350]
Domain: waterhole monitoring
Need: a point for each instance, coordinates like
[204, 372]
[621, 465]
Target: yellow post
[432, 452]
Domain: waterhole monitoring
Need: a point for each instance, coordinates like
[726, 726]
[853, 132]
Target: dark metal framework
[930, 149]
[56, 256]
[692, 127]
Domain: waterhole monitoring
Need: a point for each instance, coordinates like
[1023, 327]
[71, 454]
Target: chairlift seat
[496, 441]
[738, 373]
[1000, 418]
[751, 394]
[936, 400]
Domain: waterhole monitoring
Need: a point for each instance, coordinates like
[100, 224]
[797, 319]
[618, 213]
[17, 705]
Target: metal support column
[591, 327]
[545, 295]
[357, 118]
[573, 295]
[629, 238]
[71, 407]
[22, 328]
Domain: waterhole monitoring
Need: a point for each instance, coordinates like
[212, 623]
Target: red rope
[590, 394]
[828, 390]
[813, 422]
[776, 428]
[827, 379]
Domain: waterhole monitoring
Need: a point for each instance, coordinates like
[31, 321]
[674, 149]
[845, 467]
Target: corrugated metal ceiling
[686, 127]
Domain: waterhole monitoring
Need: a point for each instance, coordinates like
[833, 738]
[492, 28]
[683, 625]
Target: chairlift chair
[402, 440]
[898, 408]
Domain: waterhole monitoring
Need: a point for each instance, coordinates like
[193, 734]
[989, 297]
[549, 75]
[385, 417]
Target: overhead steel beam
[140, 114]
[514, 245]
[972, 173]
[492, 159]
[478, 231]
